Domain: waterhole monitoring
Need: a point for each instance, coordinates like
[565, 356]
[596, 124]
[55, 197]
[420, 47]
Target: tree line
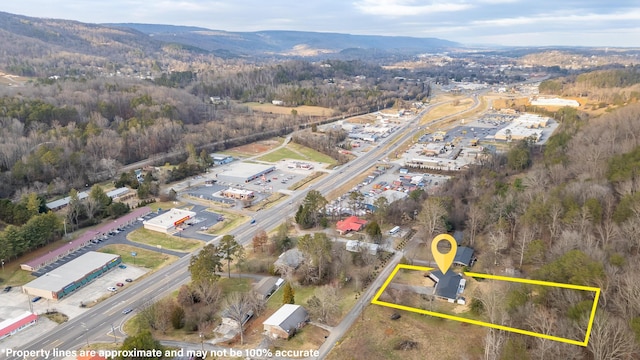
[569, 215]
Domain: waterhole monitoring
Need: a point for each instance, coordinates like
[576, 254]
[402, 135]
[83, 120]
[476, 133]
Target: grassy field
[145, 258]
[282, 153]
[306, 180]
[434, 338]
[285, 110]
[446, 109]
[230, 222]
[170, 242]
[268, 202]
[256, 148]
[233, 284]
[297, 152]
[165, 205]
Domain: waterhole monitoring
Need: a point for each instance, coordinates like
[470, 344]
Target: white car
[112, 289]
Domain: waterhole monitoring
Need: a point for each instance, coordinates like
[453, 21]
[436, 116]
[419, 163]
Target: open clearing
[170, 242]
[144, 258]
[256, 148]
[304, 110]
[297, 152]
[447, 109]
[434, 338]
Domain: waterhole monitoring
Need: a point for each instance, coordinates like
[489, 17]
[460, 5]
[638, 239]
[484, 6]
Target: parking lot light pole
[115, 338]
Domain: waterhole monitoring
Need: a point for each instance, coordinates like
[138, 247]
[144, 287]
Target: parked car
[122, 266]
[128, 280]
[35, 299]
[127, 310]
[112, 289]
[8, 288]
[119, 284]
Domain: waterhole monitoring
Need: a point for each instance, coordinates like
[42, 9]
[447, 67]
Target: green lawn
[312, 154]
[170, 242]
[280, 154]
[297, 152]
[144, 258]
[230, 222]
[233, 284]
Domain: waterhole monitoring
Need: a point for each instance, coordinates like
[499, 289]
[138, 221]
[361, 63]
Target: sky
[472, 22]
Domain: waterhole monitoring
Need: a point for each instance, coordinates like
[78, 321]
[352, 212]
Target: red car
[120, 284]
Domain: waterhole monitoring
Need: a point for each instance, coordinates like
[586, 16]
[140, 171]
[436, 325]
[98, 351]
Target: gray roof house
[267, 286]
[284, 322]
[288, 261]
[448, 285]
[463, 256]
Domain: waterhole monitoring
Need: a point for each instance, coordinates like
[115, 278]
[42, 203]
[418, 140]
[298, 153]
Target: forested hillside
[68, 132]
[572, 215]
[616, 86]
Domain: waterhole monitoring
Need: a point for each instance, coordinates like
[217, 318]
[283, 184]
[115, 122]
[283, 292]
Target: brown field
[286, 110]
[255, 148]
[507, 103]
[12, 80]
[364, 119]
[436, 338]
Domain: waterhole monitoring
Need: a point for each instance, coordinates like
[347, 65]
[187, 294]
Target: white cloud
[560, 19]
[396, 8]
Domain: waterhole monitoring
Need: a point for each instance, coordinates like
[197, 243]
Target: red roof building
[352, 223]
[12, 326]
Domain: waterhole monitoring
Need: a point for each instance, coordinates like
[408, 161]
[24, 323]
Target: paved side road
[338, 331]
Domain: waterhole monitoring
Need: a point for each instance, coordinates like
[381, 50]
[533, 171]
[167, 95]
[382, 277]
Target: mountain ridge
[282, 41]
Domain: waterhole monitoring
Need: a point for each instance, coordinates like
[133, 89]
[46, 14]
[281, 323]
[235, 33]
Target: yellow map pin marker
[444, 261]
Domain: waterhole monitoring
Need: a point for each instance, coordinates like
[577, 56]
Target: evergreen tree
[288, 294]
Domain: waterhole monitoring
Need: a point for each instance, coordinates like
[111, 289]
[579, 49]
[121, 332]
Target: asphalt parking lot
[119, 238]
[70, 305]
[201, 222]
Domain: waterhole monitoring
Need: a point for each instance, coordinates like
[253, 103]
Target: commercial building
[84, 240]
[241, 173]
[352, 223]
[11, 326]
[61, 203]
[69, 277]
[555, 102]
[221, 159]
[168, 221]
[238, 194]
[524, 126]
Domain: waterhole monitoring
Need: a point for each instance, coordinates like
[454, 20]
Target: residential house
[267, 286]
[448, 285]
[285, 321]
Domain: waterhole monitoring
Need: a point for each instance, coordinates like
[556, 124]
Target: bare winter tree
[239, 306]
[475, 220]
[432, 217]
[611, 338]
[497, 242]
[324, 305]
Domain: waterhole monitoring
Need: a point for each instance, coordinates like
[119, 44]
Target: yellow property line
[376, 301]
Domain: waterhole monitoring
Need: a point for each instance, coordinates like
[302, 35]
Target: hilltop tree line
[614, 86]
[59, 134]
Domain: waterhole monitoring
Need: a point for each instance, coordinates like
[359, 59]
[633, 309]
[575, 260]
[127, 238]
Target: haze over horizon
[499, 22]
